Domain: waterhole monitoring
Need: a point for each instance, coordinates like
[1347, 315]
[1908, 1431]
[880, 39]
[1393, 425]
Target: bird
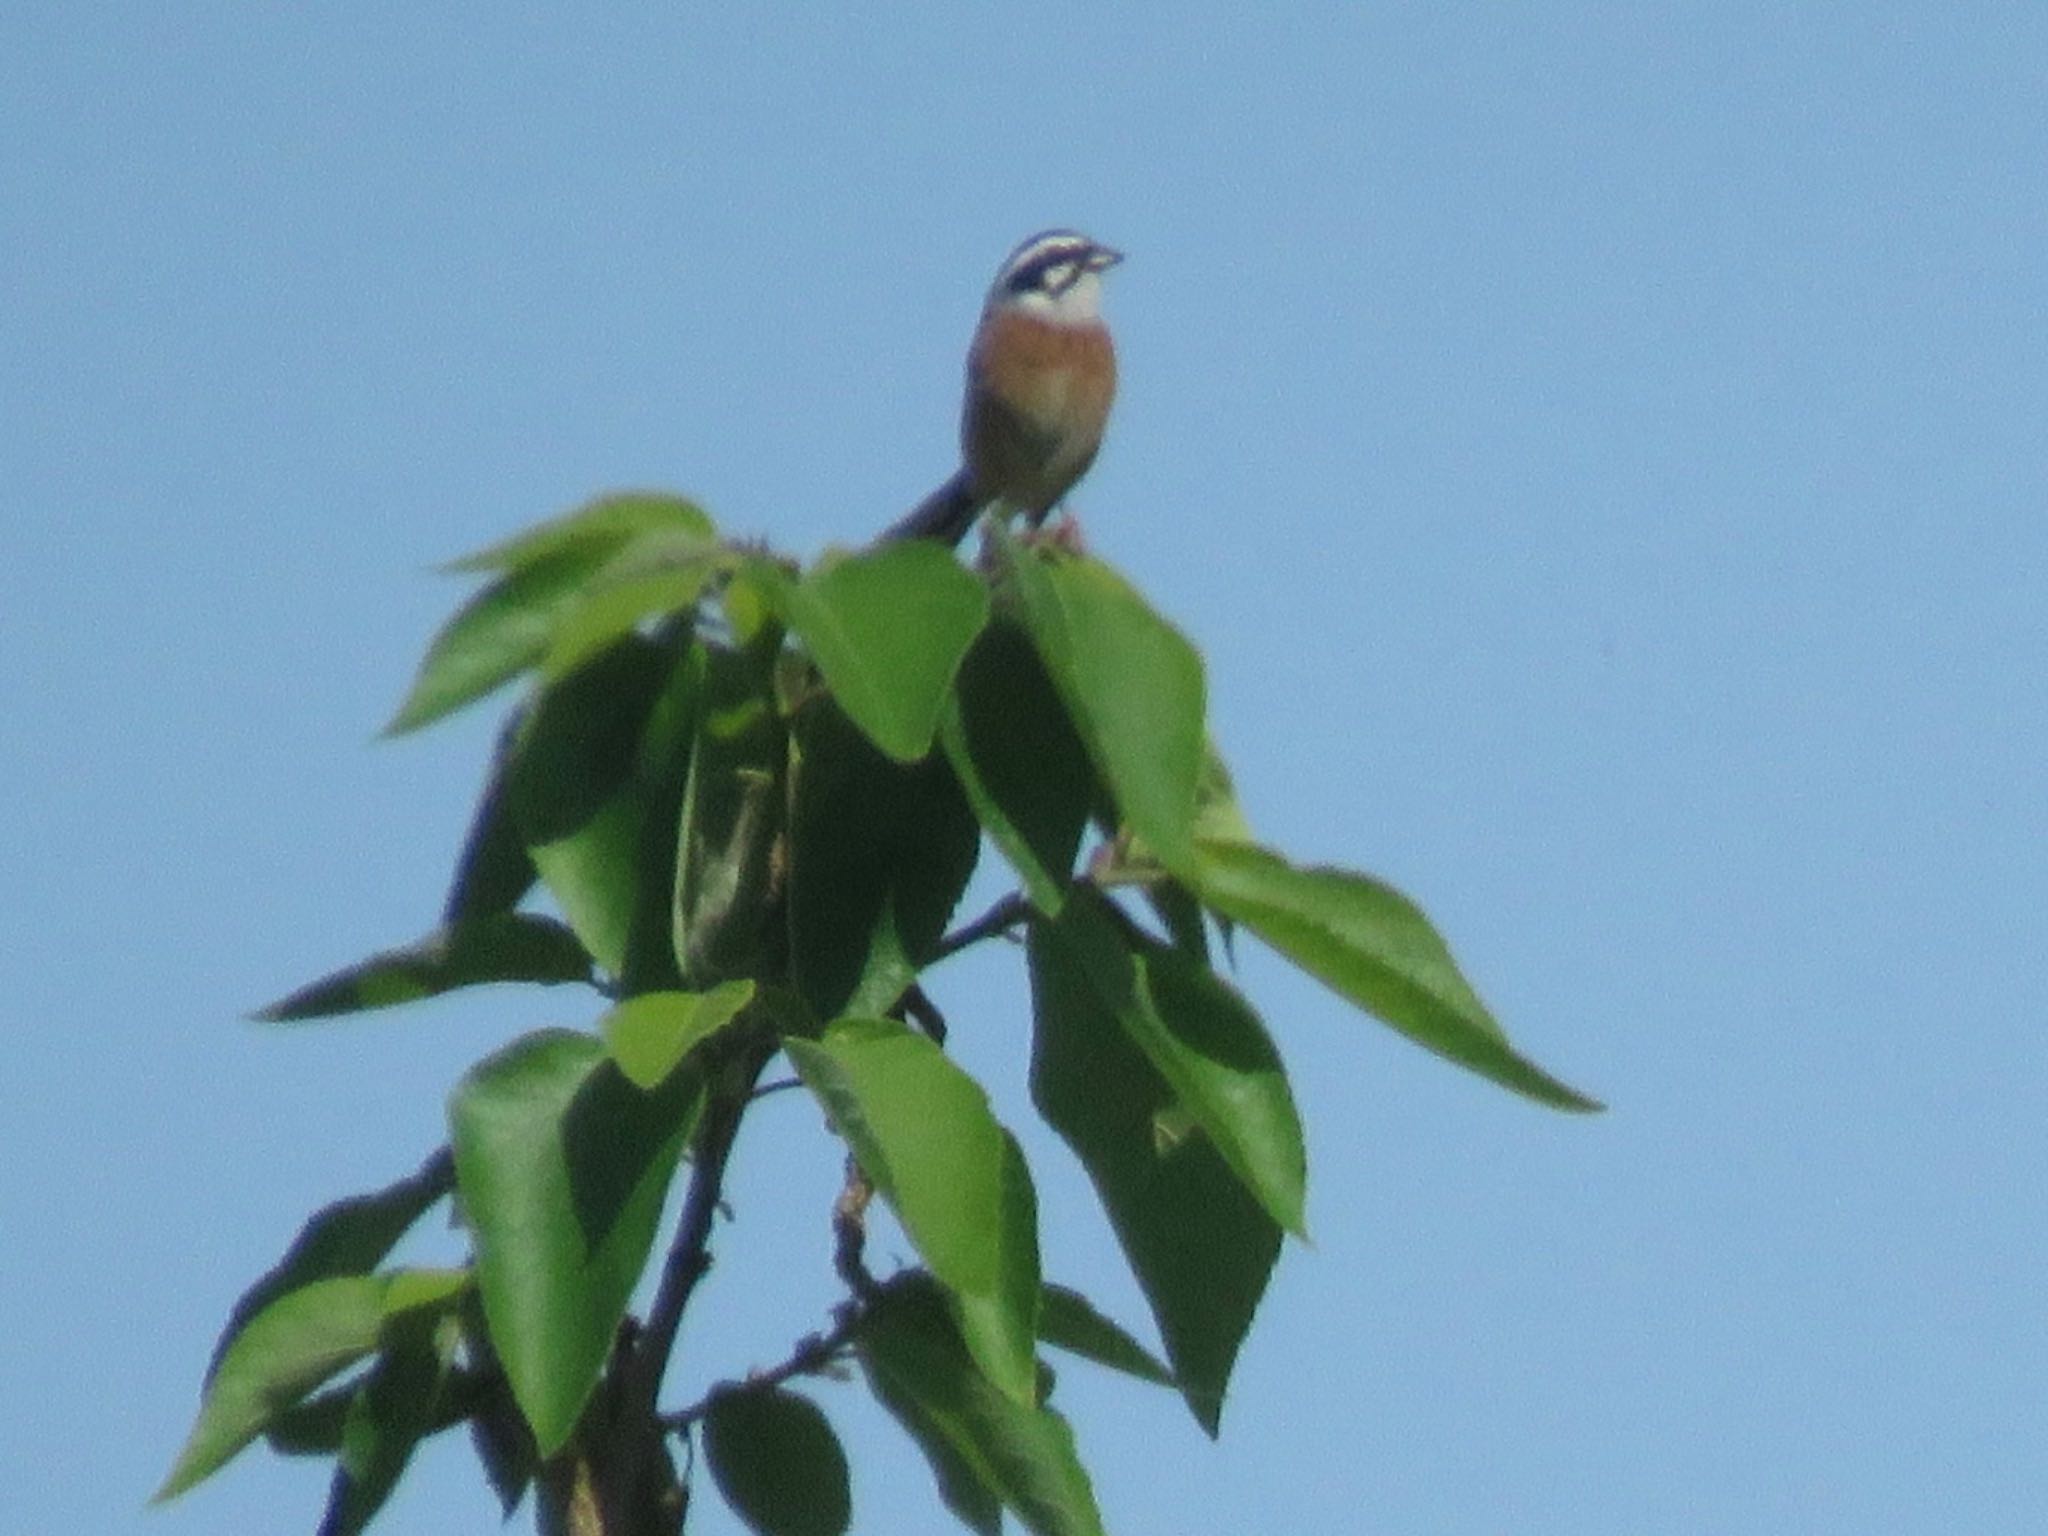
[1041, 373]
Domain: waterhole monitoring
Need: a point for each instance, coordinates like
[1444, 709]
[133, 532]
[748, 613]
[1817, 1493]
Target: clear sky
[1599, 449]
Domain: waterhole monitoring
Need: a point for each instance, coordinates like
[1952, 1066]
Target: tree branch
[814, 1352]
[1000, 918]
[689, 1257]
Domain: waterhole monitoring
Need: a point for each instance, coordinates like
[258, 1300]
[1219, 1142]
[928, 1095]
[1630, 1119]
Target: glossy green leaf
[397, 1405]
[879, 854]
[1372, 946]
[921, 1371]
[595, 788]
[290, 1347]
[503, 947]
[648, 1036]
[776, 1460]
[562, 1166]
[1025, 773]
[597, 528]
[348, 1237]
[923, 1132]
[1205, 1040]
[888, 628]
[1133, 687]
[1070, 1321]
[1200, 1244]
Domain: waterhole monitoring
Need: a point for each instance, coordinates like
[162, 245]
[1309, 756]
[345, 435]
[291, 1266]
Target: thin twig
[814, 1352]
[689, 1257]
[1000, 918]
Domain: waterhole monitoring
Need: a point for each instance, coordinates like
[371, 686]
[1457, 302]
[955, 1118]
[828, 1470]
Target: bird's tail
[945, 515]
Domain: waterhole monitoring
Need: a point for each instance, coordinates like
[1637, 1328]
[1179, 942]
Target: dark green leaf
[313, 1426]
[921, 1371]
[349, 1237]
[396, 1407]
[961, 1488]
[1205, 1040]
[649, 1035]
[1218, 816]
[1023, 769]
[494, 872]
[1372, 946]
[1200, 1244]
[887, 628]
[597, 528]
[505, 946]
[879, 854]
[1132, 685]
[922, 1130]
[778, 1463]
[595, 789]
[724, 922]
[497, 1429]
[562, 1166]
[1181, 916]
[1068, 1320]
[286, 1350]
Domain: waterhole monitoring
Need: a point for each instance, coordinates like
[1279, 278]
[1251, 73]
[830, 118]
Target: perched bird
[1040, 377]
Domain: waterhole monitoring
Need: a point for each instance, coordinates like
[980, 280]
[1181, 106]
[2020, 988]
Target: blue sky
[1599, 450]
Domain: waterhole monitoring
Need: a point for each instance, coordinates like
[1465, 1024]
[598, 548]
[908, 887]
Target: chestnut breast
[1038, 397]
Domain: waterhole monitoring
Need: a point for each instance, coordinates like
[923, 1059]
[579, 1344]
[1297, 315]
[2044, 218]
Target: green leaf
[1218, 816]
[1023, 769]
[651, 576]
[724, 922]
[1070, 1321]
[980, 1440]
[348, 1237]
[1205, 1040]
[294, 1344]
[313, 1426]
[397, 1405]
[1132, 685]
[494, 637]
[1370, 945]
[494, 871]
[922, 1130]
[778, 1463]
[1201, 1246]
[505, 946]
[599, 527]
[649, 1035]
[562, 1166]
[887, 628]
[879, 854]
[595, 789]
[961, 1487]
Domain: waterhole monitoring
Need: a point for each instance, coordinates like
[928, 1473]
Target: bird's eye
[1052, 273]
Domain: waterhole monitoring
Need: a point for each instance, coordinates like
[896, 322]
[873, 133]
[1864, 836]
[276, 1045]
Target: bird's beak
[1102, 258]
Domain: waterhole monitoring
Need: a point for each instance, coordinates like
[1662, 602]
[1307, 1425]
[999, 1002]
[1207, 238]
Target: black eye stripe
[1033, 273]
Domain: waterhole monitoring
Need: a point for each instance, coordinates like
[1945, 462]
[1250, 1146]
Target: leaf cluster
[740, 802]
